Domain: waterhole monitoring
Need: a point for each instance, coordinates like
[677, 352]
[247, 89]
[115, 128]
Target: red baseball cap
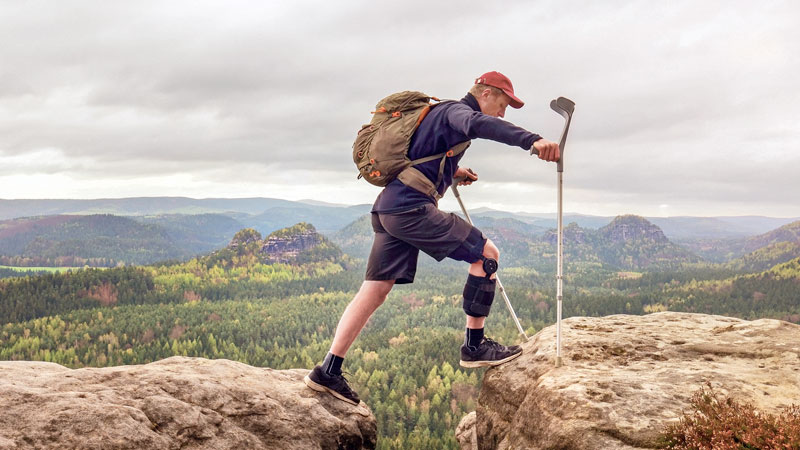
[501, 82]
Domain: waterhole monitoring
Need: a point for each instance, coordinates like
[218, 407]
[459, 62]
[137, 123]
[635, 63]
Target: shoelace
[493, 343]
[346, 381]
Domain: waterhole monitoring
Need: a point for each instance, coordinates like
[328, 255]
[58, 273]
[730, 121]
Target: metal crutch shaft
[454, 187]
[564, 107]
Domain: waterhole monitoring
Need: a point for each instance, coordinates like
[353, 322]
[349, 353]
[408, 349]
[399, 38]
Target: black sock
[474, 336]
[332, 365]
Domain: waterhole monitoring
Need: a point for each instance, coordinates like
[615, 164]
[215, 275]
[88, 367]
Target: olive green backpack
[381, 147]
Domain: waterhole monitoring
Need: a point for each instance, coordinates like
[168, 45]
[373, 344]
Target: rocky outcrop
[573, 234]
[625, 378]
[632, 228]
[298, 244]
[178, 402]
[286, 248]
[633, 243]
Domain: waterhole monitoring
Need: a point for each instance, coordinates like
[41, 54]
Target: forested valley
[232, 304]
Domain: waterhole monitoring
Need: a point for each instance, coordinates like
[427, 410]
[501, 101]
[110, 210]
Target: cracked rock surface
[625, 378]
[175, 403]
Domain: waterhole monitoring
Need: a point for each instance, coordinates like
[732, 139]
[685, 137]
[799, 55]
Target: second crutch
[454, 187]
[564, 107]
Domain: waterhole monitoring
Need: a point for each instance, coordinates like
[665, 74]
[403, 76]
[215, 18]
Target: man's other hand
[465, 176]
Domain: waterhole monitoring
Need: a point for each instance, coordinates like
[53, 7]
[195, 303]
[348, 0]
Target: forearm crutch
[454, 187]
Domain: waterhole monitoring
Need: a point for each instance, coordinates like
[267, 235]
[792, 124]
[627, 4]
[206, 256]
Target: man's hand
[464, 176]
[547, 150]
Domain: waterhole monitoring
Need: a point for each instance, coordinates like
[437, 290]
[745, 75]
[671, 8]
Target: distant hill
[628, 242]
[678, 227]
[269, 214]
[104, 240]
[137, 206]
[633, 242]
[755, 252]
[355, 239]
[328, 218]
[543, 220]
[716, 227]
[787, 233]
[198, 233]
[767, 257]
[510, 225]
[97, 240]
[769, 249]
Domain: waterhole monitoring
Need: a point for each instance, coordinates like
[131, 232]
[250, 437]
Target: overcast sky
[682, 107]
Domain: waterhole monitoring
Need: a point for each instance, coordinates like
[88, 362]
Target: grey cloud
[164, 87]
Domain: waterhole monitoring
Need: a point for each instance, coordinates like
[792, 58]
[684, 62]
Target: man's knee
[488, 263]
[490, 250]
[377, 289]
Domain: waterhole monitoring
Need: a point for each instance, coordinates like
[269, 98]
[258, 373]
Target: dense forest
[234, 304]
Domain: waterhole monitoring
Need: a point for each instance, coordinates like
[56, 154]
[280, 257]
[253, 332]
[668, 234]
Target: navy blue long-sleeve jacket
[448, 124]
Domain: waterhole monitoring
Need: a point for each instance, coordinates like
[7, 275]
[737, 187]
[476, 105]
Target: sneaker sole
[320, 388]
[477, 364]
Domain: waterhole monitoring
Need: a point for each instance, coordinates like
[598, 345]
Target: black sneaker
[337, 385]
[488, 354]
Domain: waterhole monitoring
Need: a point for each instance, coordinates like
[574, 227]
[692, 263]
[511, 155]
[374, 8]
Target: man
[406, 221]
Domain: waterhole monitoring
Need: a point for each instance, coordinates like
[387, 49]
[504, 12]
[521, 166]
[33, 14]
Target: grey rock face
[285, 249]
[625, 378]
[632, 228]
[186, 403]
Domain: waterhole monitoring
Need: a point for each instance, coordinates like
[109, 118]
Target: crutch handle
[564, 107]
[457, 180]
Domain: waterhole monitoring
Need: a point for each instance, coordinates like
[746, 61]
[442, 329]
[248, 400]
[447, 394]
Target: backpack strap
[457, 150]
[413, 178]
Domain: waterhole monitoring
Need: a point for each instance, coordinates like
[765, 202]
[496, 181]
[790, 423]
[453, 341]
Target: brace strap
[478, 296]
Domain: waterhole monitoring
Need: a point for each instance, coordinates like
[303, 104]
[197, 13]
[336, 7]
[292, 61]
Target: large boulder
[625, 378]
[186, 403]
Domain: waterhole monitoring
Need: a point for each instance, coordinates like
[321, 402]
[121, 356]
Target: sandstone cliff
[632, 228]
[186, 403]
[286, 247]
[298, 244]
[624, 378]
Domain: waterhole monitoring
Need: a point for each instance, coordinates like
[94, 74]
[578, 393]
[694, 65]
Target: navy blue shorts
[400, 236]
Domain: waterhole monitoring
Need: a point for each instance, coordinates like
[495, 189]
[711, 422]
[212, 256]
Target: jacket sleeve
[475, 124]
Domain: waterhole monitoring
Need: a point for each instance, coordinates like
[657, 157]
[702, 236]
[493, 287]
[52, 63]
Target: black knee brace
[478, 296]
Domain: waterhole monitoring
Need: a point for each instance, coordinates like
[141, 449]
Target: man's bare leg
[328, 376]
[371, 295]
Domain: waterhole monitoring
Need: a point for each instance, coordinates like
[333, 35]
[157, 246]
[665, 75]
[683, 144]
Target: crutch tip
[558, 361]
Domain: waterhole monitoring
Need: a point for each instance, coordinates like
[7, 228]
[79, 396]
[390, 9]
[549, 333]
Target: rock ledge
[624, 378]
[179, 402]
